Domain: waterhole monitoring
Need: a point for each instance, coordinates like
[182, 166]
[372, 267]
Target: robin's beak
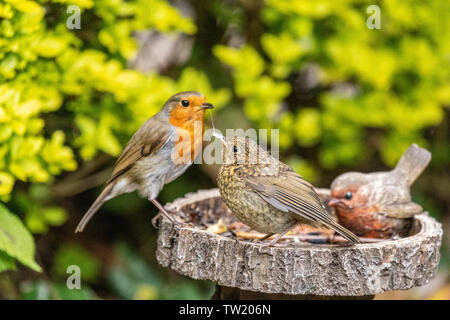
[206, 105]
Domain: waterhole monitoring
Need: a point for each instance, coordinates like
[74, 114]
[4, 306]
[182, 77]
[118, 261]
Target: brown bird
[378, 204]
[267, 195]
[158, 153]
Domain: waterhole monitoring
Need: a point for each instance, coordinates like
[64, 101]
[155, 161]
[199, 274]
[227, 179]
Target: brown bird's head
[186, 111]
[349, 191]
[240, 150]
[185, 107]
[353, 198]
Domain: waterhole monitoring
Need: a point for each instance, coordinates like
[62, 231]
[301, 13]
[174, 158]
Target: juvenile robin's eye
[348, 195]
[235, 149]
[185, 103]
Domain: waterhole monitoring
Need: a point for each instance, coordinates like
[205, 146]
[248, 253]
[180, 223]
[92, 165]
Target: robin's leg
[155, 220]
[163, 211]
[278, 237]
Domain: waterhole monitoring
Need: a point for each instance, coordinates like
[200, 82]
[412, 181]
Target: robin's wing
[401, 210]
[289, 192]
[395, 201]
[150, 137]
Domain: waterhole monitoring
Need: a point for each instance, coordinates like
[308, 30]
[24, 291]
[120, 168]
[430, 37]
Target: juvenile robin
[267, 195]
[158, 153]
[378, 204]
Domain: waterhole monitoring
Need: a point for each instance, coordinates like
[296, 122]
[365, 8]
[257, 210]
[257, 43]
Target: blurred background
[78, 77]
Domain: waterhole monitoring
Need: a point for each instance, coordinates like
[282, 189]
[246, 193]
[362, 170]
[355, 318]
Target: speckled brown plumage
[266, 194]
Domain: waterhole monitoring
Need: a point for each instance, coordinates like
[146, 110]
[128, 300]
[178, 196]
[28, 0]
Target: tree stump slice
[294, 268]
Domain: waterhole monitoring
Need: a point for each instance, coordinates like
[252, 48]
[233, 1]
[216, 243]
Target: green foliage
[38, 215]
[63, 293]
[15, 242]
[393, 75]
[41, 290]
[72, 254]
[47, 71]
[262, 93]
[38, 290]
[186, 290]
[6, 262]
[132, 278]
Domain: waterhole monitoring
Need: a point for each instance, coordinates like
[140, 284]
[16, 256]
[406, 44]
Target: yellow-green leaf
[15, 240]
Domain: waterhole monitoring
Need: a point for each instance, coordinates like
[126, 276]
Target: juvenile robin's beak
[206, 105]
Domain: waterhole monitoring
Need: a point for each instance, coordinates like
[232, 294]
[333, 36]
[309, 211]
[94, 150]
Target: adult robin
[158, 153]
[267, 195]
[378, 204]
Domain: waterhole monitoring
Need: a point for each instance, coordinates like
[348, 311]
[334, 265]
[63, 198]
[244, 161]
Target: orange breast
[190, 128]
[364, 222]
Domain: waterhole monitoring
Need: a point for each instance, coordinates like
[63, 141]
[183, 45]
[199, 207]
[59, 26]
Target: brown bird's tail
[94, 208]
[347, 234]
[412, 163]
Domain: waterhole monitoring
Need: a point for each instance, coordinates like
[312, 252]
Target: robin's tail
[347, 234]
[94, 208]
[412, 163]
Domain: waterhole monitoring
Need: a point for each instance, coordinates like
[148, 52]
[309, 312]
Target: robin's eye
[235, 149]
[348, 195]
[185, 103]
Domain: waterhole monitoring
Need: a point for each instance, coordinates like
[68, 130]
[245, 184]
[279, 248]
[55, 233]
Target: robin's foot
[166, 213]
[271, 242]
[278, 237]
[155, 220]
[170, 213]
